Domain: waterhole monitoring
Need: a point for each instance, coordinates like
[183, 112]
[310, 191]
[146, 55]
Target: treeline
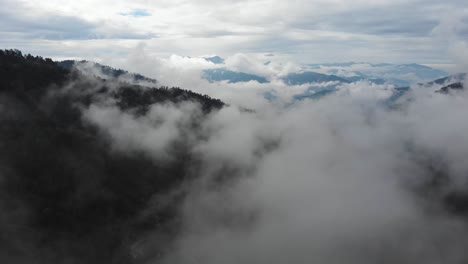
[28, 73]
[35, 74]
[106, 70]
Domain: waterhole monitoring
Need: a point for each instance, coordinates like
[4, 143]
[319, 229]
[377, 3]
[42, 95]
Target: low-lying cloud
[338, 188]
[344, 179]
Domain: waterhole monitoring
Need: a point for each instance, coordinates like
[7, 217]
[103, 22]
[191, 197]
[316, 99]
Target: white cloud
[332, 191]
[153, 133]
[312, 31]
[331, 180]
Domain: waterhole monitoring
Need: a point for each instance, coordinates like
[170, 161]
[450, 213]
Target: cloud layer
[308, 31]
[339, 180]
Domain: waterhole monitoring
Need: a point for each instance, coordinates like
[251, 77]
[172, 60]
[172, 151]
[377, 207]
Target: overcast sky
[312, 31]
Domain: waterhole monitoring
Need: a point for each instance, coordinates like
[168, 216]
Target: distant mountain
[106, 72]
[363, 78]
[452, 82]
[459, 77]
[397, 93]
[381, 64]
[215, 59]
[449, 83]
[400, 75]
[342, 64]
[311, 77]
[420, 71]
[451, 87]
[316, 93]
[216, 75]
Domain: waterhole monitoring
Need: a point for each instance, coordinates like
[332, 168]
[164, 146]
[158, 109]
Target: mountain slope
[451, 87]
[449, 79]
[106, 72]
[67, 194]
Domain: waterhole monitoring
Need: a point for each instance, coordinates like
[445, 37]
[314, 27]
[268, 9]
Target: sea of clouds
[344, 179]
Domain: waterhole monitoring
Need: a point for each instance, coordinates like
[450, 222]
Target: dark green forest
[66, 196]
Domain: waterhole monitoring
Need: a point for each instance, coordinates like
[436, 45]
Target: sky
[306, 31]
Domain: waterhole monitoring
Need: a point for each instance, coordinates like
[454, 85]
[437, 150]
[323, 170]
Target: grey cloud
[17, 19]
[405, 20]
[316, 31]
[53, 27]
[153, 133]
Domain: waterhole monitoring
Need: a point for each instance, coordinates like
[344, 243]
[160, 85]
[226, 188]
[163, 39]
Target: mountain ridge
[68, 195]
[104, 71]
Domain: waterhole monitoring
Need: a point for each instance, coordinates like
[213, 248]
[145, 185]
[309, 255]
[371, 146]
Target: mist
[343, 179]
